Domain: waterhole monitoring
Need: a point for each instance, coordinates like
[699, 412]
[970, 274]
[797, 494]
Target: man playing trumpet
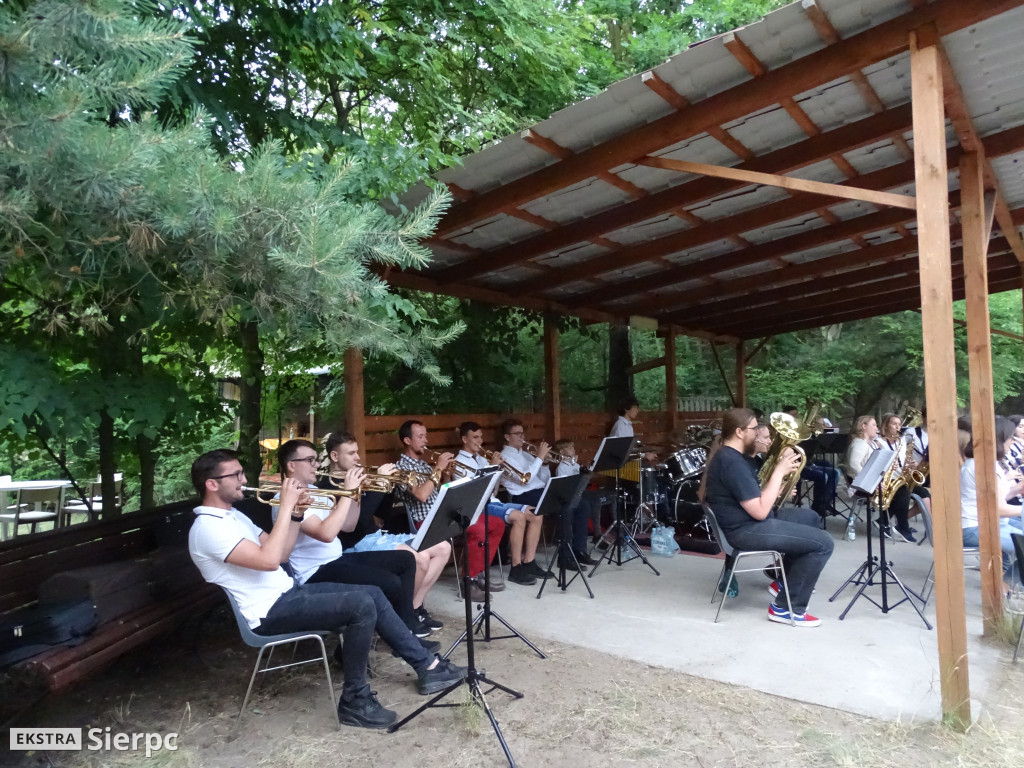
[343, 455]
[420, 499]
[317, 555]
[524, 526]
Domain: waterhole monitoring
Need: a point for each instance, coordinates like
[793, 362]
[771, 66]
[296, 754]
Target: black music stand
[613, 454]
[458, 506]
[868, 483]
[560, 498]
[481, 624]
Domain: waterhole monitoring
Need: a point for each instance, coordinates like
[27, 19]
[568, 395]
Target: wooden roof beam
[857, 134]
[757, 330]
[896, 175]
[876, 44]
[788, 183]
[846, 297]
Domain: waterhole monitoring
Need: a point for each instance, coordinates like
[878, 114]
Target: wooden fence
[585, 429]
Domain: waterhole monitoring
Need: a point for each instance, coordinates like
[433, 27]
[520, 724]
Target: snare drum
[686, 463]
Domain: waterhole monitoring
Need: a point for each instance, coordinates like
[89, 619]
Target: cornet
[266, 492]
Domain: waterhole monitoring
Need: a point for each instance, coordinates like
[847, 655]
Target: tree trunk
[145, 450]
[108, 464]
[250, 405]
[620, 358]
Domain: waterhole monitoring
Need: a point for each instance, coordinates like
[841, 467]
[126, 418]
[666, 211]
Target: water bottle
[851, 533]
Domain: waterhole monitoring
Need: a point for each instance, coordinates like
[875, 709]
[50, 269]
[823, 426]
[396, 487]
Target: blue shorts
[381, 541]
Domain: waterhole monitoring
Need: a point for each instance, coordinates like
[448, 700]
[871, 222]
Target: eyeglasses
[239, 476]
[311, 460]
[516, 434]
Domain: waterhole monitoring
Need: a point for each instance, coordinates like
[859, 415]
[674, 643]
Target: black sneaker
[428, 620]
[440, 677]
[536, 570]
[365, 712]
[520, 574]
[420, 629]
[584, 558]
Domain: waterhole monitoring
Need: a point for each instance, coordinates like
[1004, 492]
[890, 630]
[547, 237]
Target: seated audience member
[744, 513]
[1007, 487]
[317, 555]
[235, 554]
[420, 500]
[343, 455]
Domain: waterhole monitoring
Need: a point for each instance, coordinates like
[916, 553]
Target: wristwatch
[298, 518]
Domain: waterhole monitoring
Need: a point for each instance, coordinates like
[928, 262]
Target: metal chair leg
[777, 559]
[1020, 637]
[728, 583]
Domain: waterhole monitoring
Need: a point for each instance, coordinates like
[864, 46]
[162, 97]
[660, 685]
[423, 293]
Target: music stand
[561, 496]
[612, 454]
[457, 506]
[869, 484]
[482, 620]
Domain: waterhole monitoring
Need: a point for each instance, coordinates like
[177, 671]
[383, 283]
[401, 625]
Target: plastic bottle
[851, 533]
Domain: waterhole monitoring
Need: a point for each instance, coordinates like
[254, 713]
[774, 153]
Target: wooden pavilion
[840, 159]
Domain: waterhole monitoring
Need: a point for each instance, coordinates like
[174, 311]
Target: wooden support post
[671, 395]
[932, 195]
[741, 376]
[355, 410]
[979, 358]
[552, 397]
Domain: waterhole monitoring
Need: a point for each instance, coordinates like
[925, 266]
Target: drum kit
[669, 487]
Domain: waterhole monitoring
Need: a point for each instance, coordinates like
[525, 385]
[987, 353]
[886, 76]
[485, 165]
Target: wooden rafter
[859, 133]
[790, 183]
[878, 43]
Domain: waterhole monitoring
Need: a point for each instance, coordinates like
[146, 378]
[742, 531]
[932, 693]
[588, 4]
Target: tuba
[788, 433]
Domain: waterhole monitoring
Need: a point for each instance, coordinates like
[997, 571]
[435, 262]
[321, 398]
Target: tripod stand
[562, 496]
[482, 620]
[475, 679]
[864, 576]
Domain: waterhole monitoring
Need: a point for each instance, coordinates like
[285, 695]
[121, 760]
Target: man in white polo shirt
[235, 554]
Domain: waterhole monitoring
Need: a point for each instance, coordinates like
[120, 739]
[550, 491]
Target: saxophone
[900, 474]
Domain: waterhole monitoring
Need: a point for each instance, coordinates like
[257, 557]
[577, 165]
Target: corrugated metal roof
[986, 56]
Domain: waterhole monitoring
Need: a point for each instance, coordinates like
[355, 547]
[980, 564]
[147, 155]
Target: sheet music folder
[463, 498]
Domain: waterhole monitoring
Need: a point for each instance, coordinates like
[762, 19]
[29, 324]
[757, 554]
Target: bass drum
[686, 507]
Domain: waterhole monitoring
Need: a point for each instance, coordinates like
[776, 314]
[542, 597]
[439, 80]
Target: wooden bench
[27, 561]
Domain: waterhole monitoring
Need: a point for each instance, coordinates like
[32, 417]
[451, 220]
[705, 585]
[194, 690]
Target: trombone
[266, 492]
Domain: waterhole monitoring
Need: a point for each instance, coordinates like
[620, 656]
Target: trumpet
[554, 458]
[507, 470]
[266, 492]
[379, 483]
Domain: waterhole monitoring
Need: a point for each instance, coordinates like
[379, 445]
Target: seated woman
[1007, 488]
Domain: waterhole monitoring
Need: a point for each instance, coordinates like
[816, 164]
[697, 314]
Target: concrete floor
[882, 665]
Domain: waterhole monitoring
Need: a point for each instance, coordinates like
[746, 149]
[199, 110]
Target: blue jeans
[824, 478]
[804, 546]
[354, 611]
[1010, 572]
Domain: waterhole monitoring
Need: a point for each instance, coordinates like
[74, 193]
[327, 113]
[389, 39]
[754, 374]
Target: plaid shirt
[418, 509]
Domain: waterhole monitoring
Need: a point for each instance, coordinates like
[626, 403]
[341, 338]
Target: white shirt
[567, 467]
[213, 536]
[309, 554]
[622, 427]
[920, 436]
[857, 454]
[969, 493]
[478, 462]
[524, 462]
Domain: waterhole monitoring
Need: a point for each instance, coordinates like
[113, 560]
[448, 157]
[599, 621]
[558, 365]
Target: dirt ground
[580, 708]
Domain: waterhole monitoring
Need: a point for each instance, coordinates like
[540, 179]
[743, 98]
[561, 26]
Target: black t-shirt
[731, 480]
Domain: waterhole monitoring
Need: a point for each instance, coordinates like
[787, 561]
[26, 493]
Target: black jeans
[804, 546]
[394, 572]
[352, 611]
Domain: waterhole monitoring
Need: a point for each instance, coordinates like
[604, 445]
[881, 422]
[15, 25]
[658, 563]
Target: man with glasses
[744, 513]
[318, 557]
[525, 496]
[232, 552]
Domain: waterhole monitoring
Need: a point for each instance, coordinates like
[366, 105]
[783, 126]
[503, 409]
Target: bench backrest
[27, 561]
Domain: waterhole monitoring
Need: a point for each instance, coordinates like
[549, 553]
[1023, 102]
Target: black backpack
[32, 630]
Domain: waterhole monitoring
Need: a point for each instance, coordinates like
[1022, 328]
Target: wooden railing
[585, 429]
